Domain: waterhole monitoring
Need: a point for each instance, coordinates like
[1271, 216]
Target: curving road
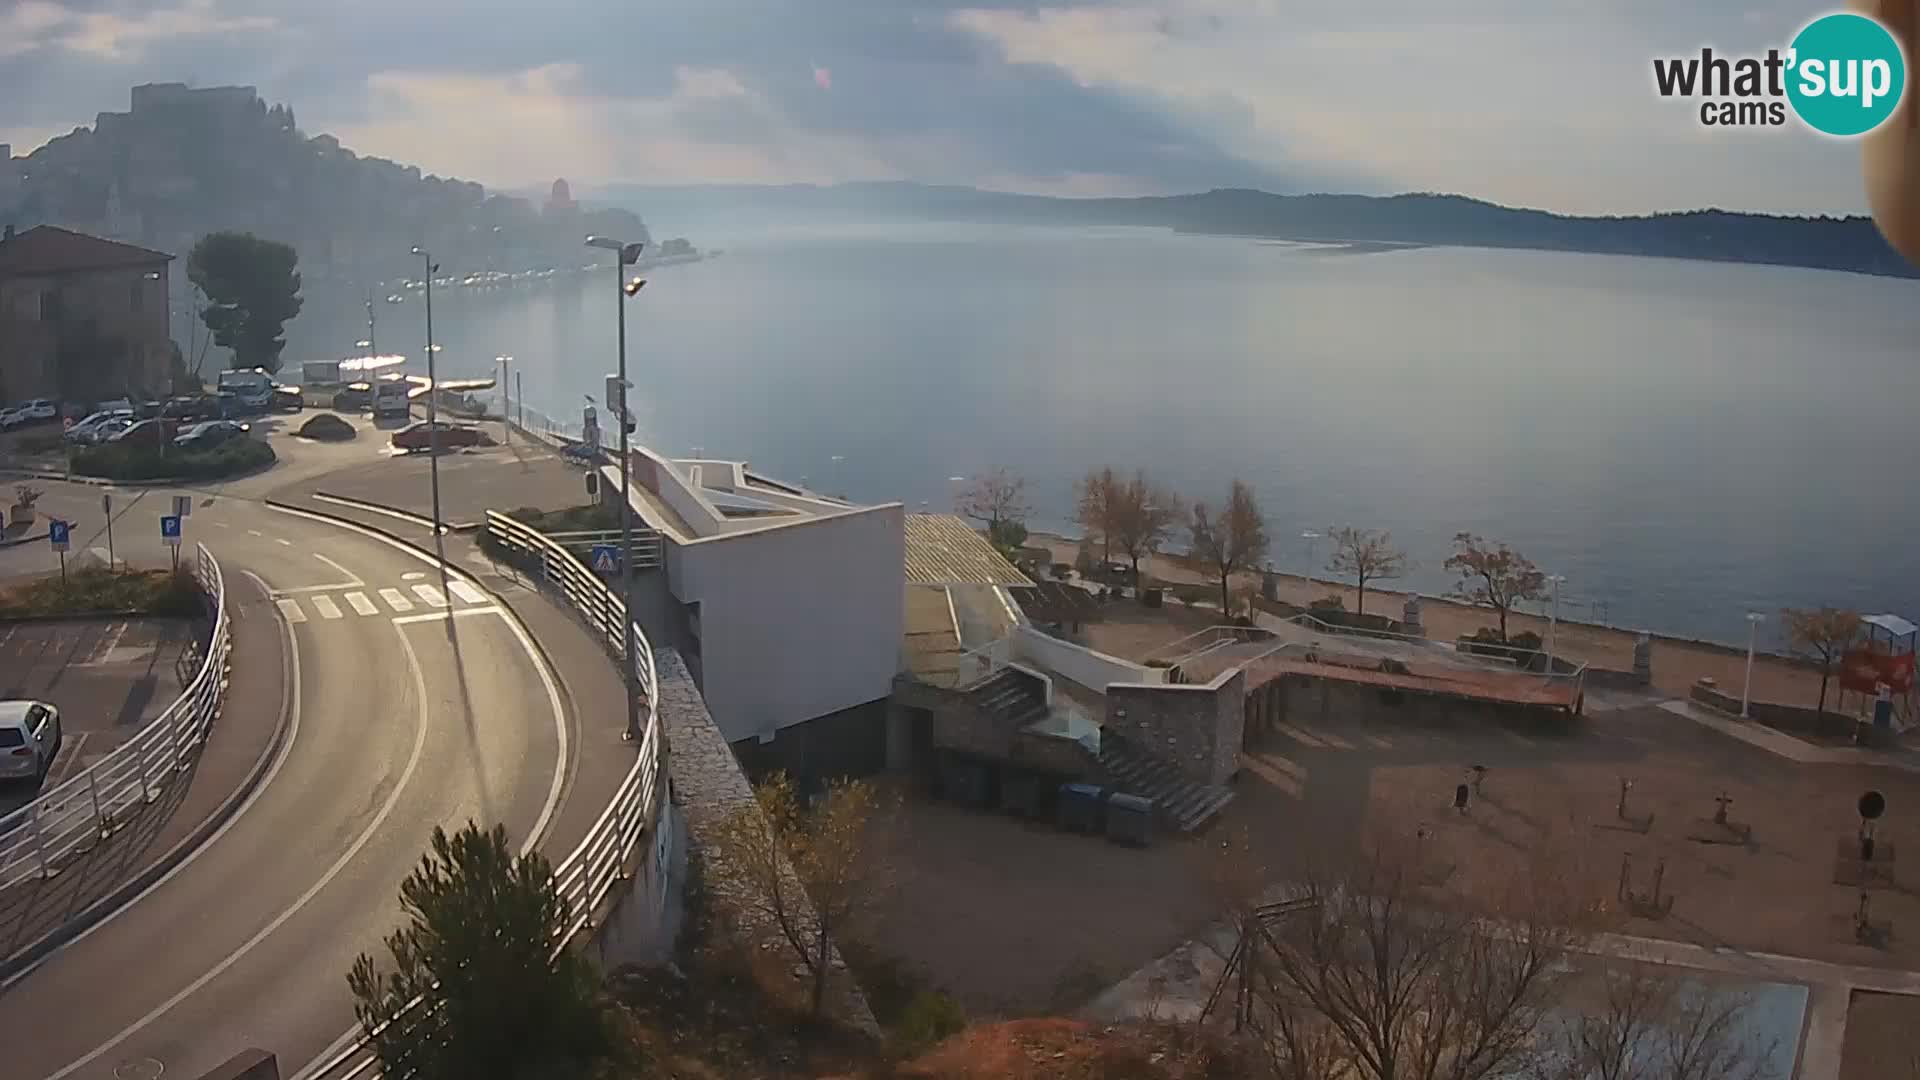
[414, 701]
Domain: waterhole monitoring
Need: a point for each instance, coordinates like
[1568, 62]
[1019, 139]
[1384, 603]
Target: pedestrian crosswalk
[357, 603]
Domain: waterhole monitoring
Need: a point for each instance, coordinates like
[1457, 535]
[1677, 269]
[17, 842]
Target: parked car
[93, 427]
[30, 739]
[419, 435]
[211, 433]
[149, 432]
[146, 410]
[354, 397]
[288, 399]
[116, 405]
[37, 411]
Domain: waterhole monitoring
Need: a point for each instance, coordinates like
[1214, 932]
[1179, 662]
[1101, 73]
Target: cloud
[1534, 104]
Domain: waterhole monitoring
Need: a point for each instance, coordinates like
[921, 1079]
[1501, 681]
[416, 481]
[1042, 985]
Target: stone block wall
[1054, 756]
[1195, 728]
[709, 785]
[1305, 697]
[1792, 719]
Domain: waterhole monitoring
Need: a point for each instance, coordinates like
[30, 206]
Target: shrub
[1527, 640]
[929, 1018]
[40, 442]
[25, 495]
[326, 427]
[1329, 602]
[119, 461]
[147, 592]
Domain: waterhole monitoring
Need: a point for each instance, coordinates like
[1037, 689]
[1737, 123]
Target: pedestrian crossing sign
[605, 558]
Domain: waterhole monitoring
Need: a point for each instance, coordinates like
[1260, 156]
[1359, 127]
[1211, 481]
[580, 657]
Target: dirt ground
[1676, 664]
[1016, 918]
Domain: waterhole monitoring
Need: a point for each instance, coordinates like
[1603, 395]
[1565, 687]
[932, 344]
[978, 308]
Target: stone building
[81, 318]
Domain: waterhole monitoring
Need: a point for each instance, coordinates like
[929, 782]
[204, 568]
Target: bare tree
[1231, 541]
[1823, 635]
[1494, 576]
[1364, 555]
[1384, 980]
[997, 499]
[1095, 503]
[1144, 516]
[1649, 1024]
[781, 854]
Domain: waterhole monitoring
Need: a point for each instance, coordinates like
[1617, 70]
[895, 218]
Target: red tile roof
[48, 249]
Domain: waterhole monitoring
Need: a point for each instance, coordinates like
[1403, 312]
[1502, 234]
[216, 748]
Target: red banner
[1866, 669]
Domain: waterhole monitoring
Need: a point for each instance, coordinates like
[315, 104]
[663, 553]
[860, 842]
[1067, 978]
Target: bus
[253, 388]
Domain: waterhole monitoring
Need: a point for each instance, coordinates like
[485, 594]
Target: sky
[1540, 104]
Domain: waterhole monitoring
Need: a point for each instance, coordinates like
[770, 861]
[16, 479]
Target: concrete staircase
[1183, 803]
[1011, 698]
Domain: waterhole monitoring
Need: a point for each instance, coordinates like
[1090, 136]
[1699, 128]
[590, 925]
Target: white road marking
[283, 541]
[221, 525]
[338, 586]
[412, 575]
[325, 606]
[361, 605]
[437, 616]
[396, 601]
[466, 592]
[351, 576]
[386, 810]
[291, 609]
[68, 762]
[256, 532]
[434, 597]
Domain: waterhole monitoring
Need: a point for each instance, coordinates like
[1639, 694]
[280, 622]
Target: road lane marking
[340, 864]
[361, 605]
[395, 600]
[283, 540]
[412, 575]
[338, 586]
[466, 592]
[351, 576]
[403, 620]
[434, 597]
[291, 609]
[256, 532]
[290, 716]
[67, 762]
[221, 525]
[325, 606]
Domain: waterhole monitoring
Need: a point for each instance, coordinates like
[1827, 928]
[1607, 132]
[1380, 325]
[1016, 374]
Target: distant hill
[1826, 243]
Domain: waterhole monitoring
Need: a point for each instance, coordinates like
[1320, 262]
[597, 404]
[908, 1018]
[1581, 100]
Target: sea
[1683, 442]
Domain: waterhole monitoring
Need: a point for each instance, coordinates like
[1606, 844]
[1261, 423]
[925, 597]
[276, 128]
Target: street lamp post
[625, 255]
[1754, 619]
[433, 396]
[1310, 536]
[1553, 617]
[506, 406]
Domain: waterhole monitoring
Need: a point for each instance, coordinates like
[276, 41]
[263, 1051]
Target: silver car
[29, 739]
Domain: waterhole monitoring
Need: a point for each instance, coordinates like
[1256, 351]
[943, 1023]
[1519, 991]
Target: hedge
[120, 461]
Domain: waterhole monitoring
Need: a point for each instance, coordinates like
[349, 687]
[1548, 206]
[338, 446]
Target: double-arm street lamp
[625, 255]
[433, 394]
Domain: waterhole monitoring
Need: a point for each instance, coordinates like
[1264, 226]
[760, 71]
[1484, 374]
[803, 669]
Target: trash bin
[1080, 807]
[1129, 819]
[1151, 597]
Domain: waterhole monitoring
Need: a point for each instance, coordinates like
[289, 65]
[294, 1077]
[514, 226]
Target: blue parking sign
[605, 558]
[170, 528]
[58, 533]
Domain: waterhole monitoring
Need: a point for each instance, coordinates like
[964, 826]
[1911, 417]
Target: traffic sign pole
[106, 507]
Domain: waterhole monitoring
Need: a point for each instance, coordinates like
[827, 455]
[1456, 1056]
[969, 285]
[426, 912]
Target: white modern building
[788, 604]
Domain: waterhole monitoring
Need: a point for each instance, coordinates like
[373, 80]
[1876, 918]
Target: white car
[28, 412]
[29, 739]
[99, 425]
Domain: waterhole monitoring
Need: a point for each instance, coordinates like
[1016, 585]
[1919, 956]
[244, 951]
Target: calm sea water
[1683, 441]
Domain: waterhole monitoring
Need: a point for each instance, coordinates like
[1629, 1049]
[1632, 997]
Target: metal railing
[648, 549]
[67, 821]
[587, 877]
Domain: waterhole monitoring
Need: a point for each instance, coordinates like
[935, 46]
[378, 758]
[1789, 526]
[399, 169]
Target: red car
[420, 435]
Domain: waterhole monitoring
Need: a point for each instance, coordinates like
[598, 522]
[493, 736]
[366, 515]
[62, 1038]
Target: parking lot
[107, 677]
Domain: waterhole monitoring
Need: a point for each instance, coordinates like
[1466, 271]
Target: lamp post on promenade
[433, 397]
[625, 255]
[1754, 619]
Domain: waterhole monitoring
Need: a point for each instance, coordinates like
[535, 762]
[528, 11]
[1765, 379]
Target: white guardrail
[69, 820]
[588, 876]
